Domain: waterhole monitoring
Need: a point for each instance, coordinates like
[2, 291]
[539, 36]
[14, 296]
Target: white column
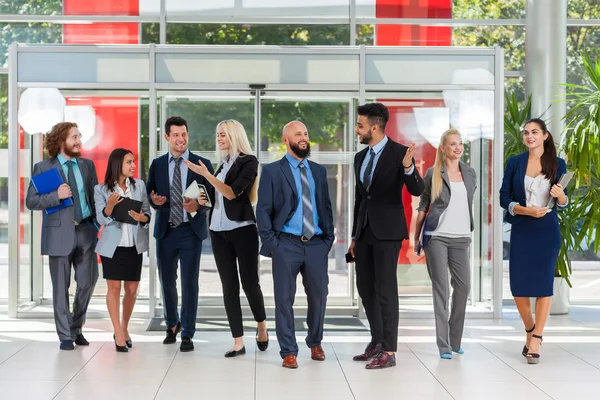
[546, 61]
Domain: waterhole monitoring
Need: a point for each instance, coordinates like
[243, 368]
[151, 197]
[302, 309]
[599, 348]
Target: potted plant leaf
[580, 221]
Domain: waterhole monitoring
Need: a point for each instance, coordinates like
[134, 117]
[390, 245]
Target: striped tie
[176, 216]
[308, 221]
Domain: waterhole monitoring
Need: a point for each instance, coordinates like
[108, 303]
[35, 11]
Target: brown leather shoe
[317, 353]
[290, 361]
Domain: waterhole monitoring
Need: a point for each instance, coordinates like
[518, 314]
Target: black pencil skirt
[125, 265]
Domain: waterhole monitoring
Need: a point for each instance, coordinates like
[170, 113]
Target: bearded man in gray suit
[69, 236]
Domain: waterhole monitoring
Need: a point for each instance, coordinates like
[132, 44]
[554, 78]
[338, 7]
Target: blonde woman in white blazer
[121, 245]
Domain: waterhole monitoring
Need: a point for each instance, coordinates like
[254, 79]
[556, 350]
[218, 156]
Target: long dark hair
[115, 167]
[549, 159]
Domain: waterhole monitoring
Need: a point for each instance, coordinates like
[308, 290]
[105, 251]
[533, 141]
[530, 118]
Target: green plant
[581, 146]
[515, 115]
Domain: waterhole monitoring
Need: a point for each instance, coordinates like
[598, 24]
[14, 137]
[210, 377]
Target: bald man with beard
[295, 224]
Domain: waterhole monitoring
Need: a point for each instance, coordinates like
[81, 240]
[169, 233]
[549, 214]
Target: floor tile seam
[166, 373]
[517, 372]
[342, 368]
[576, 356]
[17, 352]
[430, 372]
[80, 369]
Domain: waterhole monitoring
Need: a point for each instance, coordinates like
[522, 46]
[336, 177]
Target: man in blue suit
[295, 223]
[179, 230]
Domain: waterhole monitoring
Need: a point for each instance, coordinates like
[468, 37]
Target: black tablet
[121, 211]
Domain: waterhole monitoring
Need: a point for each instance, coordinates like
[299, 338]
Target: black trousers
[230, 248]
[376, 281]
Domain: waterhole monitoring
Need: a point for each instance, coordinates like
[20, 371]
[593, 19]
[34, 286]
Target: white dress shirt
[219, 221]
[127, 238]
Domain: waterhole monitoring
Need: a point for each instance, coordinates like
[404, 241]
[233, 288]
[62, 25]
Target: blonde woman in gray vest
[443, 231]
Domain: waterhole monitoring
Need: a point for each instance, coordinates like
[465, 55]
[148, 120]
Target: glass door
[422, 118]
[263, 116]
[330, 119]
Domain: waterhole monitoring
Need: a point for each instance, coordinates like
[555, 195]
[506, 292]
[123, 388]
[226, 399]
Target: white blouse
[220, 222]
[127, 237]
[537, 191]
[455, 221]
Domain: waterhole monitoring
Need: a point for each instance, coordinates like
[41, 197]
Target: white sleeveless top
[537, 191]
[455, 221]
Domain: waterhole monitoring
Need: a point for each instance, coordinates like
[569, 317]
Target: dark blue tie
[367, 176]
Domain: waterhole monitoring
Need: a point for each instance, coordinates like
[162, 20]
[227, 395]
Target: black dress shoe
[129, 343]
[371, 351]
[120, 349]
[67, 345]
[186, 344]
[172, 336]
[235, 353]
[262, 346]
[81, 341]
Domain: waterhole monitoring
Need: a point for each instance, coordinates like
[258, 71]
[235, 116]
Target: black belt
[84, 221]
[302, 238]
[183, 224]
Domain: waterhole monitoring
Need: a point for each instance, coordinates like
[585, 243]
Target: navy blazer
[158, 180]
[513, 184]
[278, 198]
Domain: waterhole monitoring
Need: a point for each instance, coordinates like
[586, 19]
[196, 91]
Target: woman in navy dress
[530, 181]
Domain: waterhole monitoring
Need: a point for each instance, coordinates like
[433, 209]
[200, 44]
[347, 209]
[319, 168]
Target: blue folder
[47, 182]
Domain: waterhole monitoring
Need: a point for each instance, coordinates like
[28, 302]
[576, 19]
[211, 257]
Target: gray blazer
[111, 234]
[441, 203]
[58, 230]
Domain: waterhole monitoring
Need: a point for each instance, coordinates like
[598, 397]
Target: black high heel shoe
[129, 343]
[534, 358]
[262, 346]
[120, 349]
[525, 349]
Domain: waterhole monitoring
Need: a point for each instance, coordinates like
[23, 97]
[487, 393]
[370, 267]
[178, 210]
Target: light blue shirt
[184, 172]
[85, 209]
[294, 225]
[377, 149]
[219, 221]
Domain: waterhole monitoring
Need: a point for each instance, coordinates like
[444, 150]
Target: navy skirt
[534, 247]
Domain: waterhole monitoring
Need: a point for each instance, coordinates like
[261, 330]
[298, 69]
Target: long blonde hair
[238, 143]
[440, 158]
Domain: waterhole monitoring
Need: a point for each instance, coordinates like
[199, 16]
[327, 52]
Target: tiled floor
[32, 367]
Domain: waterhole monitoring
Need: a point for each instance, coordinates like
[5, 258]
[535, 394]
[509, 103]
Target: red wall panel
[412, 35]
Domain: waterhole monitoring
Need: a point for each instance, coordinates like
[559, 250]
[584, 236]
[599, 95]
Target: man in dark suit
[179, 230]
[69, 235]
[295, 223]
[381, 169]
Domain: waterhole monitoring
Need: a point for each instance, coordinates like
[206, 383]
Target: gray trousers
[84, 261]
[442, 254]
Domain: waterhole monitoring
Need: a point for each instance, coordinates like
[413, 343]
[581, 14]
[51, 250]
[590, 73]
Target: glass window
[4, 186]
[581, 40]
[27, 33]
[252, 34]
[510, 38]
[31, 7]
[517, 86]
[490, 9]
[260, 8]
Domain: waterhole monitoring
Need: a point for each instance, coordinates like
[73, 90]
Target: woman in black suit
[233, 230]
